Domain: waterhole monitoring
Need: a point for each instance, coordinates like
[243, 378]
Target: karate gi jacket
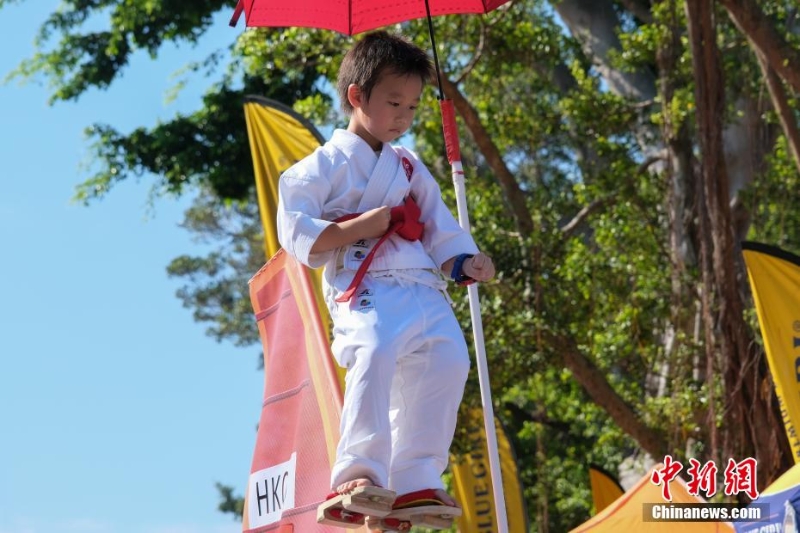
[345, 176]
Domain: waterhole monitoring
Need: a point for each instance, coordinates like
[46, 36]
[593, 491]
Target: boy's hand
[479, 267]
[374, 223]
[369, 225]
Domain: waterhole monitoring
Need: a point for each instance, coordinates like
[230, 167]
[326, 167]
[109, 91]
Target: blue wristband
[458, 270]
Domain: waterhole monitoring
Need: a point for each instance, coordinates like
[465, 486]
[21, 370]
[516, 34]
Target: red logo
[665, 475]
[702, 478]
[408, 167]
[739, 477]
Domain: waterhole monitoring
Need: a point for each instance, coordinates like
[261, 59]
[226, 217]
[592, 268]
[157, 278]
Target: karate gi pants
[407, 363]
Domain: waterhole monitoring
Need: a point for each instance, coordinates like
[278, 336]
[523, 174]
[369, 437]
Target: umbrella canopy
[354, 16]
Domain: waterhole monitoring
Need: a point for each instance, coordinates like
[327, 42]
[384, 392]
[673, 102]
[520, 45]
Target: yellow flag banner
[775, 280]
[279, 137]
[473, 482]
[605, 488]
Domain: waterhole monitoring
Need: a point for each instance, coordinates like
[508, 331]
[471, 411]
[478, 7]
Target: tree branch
[600, 390]
[475, 57]
[785, 113]
[639, 9]
[514, 195]
[760, 30]
[570, 227]
[538, 417]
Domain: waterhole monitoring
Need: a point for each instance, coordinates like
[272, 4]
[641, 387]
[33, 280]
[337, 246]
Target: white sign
[271, 492]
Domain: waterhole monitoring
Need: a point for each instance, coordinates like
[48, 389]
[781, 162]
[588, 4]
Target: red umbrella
[355, 16]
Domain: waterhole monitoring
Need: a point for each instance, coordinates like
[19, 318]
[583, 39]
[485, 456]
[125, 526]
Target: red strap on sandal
[404, 221]
[417, 499]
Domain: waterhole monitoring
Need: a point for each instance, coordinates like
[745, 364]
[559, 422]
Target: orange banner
[299, 425]
[605, 488]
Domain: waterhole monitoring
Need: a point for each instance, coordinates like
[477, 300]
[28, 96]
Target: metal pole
[450, 131]
[483, 367]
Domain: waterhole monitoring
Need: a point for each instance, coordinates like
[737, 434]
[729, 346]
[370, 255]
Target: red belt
[404, 221]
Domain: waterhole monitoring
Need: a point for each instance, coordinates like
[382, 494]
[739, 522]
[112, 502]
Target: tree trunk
[679, 163]
[751, 427]
[680, 201]
[594, 23]
[748, 141]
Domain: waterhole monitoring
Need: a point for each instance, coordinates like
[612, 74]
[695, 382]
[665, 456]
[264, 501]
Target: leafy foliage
[208, 147]
[216, 284]
[84, 58]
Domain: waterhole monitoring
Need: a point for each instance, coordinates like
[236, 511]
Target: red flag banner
[299, 425]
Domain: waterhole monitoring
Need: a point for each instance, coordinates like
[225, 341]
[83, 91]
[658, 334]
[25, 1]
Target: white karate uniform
[404, 350]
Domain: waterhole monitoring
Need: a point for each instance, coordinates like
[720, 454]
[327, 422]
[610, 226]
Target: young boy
[394, 330]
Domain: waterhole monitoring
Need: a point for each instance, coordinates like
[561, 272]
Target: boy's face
[389, 111]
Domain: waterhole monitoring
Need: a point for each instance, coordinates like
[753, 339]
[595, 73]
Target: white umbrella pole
[483, 367]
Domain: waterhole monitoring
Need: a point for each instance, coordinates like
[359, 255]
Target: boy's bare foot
[348, 486]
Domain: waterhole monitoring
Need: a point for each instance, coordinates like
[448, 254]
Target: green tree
[612, 170]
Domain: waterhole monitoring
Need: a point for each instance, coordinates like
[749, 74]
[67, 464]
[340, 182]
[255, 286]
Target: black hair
[377, 53]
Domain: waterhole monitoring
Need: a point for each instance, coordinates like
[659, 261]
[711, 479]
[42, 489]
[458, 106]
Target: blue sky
[117, 412]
